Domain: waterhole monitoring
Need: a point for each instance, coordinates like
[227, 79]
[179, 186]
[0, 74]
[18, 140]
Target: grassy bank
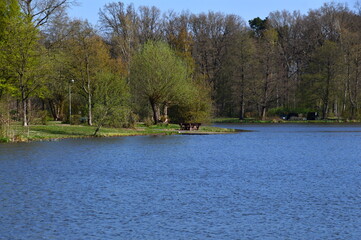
[56, 130]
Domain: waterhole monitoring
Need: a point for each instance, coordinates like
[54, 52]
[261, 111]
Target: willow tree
[196, 106]
[158, 75]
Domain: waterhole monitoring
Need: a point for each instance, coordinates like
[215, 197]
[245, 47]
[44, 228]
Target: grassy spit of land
[57, 130]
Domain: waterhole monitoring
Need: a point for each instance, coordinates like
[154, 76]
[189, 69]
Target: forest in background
[145, 65]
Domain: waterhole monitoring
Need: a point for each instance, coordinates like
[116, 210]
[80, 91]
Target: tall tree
[245, 68]
[22, 57]
[258, 25]
[120, 24]
[88, 55]
[9, 12]
[267, 88]
[58, 80]
[207, 30]
[149, 24]
[291, 49]
[322, 75]
[266, 85]
[226, 78]
[55, 38]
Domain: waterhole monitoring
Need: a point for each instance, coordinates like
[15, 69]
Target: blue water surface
[277, 182]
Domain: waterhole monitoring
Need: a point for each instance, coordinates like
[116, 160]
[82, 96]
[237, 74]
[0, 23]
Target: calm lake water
[279, 182]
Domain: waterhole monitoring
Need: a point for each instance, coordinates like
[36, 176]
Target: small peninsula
[56, 130]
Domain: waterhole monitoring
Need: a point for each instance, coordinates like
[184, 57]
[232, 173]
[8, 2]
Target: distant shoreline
[281, 121]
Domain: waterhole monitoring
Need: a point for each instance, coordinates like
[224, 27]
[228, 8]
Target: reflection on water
[279, 182]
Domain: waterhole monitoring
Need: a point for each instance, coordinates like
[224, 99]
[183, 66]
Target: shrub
[148, 121]
[284, 111]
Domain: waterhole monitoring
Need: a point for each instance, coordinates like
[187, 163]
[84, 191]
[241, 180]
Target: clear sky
[247, 9]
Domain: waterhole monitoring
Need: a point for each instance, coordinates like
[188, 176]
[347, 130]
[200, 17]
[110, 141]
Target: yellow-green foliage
[196, 105]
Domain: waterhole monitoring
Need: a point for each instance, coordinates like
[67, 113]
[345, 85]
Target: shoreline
[280, 121]
[57, 132]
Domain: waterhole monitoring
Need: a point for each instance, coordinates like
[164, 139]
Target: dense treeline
[142, 63]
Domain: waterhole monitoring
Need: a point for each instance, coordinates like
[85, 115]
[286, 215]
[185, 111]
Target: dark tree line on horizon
[287, 62]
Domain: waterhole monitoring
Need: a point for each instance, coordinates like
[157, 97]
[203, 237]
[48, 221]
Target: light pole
[70, 83]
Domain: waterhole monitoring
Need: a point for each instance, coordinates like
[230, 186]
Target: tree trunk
[325, 109]
[165, 113]
[97, 130]
[356, 89]
[265, 94]
[155, 110]
[158, 112]
[264, 110]
[54, 109]
[346, 89]
[90, 122]
[326, 98]
[29, 110]
[90, 118]
[25, 109]
[241, 112]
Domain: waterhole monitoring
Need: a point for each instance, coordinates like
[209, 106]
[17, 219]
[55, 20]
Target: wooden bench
[190, 126]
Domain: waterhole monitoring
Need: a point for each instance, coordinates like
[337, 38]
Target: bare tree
[290, 47]
[149, 24]
[120, 24]
[40, 11]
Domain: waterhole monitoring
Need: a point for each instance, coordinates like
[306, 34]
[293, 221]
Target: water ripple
[281, 182]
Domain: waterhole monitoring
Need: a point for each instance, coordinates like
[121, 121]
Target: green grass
[56, 130]
[216, 129]
[4, 140]
[236, 120]
[160, 126]
[226, 120]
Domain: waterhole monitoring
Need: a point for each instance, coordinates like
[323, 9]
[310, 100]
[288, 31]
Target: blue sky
[247, 9]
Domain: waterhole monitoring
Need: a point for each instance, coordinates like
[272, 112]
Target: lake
[281, 181]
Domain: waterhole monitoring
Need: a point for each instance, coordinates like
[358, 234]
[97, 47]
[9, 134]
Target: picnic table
[190, 126]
